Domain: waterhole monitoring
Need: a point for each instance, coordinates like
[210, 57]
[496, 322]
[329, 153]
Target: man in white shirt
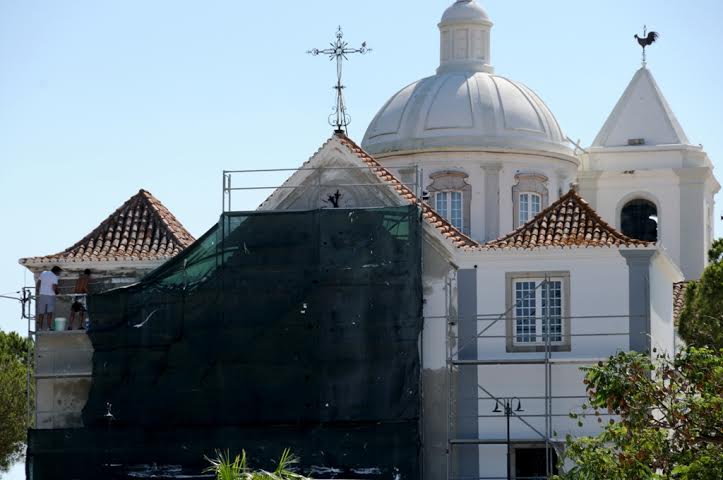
[46, 289]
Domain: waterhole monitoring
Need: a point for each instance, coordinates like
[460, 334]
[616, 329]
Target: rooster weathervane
[646, 40]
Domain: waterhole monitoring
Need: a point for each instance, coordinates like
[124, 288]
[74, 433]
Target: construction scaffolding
[547, 358]
[323, 178]
[28, 315]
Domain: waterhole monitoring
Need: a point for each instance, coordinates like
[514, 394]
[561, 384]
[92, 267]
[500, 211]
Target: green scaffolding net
[274, 330]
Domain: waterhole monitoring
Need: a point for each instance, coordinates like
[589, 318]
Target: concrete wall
[63, 360]
[440, 287]
[679, 180]
[663, 273]
[63, 369]
[598, 287]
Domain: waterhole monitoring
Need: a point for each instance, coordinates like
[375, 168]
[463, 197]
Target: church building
[538, 256]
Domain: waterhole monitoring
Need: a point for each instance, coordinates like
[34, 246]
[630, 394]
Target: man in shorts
[46, 290]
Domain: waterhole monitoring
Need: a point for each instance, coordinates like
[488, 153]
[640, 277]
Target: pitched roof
[569, 222]
[141, 229]
[679, 299]
[443, 226]
[641, 112]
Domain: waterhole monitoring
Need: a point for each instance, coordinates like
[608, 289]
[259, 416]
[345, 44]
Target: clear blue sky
[100, 98]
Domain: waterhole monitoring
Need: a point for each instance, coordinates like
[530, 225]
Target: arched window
[639, 219]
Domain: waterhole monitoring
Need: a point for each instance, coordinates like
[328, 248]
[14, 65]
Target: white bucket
[59, 324]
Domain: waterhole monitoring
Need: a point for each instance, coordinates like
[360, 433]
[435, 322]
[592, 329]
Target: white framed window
[536, 308]
[529, 197]
[449, 205]
[529, 205]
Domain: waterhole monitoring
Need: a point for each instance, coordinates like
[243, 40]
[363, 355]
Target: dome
[465, 105]
[465, 109]
[465, 11]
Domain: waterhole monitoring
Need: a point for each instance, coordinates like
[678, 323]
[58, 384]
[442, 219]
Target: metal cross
[339, 51]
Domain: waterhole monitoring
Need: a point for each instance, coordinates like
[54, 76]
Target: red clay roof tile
[569, 222]
[141, 229]
[678, 299]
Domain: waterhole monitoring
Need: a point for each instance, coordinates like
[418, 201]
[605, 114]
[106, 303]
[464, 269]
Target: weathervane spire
[339, 51]
[646, 40]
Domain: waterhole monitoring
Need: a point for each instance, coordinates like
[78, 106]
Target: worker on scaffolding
[79, 306]
[46, 291]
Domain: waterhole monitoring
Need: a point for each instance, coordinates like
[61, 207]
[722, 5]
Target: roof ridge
[544, 230]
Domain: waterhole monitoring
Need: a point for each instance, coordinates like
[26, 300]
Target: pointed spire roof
[641, 113]
[141, 229]
[569, 222]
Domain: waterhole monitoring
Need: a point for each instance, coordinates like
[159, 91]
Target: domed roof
[465, 109]
[465, 105]
[467, 11]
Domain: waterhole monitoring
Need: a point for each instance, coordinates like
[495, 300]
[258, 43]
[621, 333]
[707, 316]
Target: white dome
[475, 110]
[465, 11]
[465, 105]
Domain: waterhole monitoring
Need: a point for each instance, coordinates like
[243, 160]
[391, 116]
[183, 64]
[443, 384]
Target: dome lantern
[465, 38]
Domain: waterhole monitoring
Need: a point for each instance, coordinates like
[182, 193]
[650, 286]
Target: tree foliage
[701, 320]
[13, 408]
[669, 418]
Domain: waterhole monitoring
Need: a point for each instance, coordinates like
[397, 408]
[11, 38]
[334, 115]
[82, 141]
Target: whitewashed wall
[663, 273]
[598, 287]
[560, 174]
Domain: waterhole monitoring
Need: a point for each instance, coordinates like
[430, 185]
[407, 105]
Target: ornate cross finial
[339, 51]
[646, 40]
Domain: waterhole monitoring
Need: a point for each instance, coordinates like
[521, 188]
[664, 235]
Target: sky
[99, 99]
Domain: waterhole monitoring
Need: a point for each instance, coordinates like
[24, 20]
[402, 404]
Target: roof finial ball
[646, 40]
[465, 38]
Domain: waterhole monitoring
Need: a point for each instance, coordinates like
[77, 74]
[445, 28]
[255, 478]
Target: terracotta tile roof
[141, 229]
[449, 231]
[569, 222]
[678, 299]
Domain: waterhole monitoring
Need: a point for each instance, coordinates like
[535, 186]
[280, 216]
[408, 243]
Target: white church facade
[525, 235]
[539, 256]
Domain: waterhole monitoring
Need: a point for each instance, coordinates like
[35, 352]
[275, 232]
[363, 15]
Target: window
[449, 205]
[529, 197]
[452, 197]
[529, 462]
[639, 219]
[538, 308]
[530, 204]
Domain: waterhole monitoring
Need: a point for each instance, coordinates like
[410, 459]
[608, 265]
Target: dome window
[452, 197]
[639, 220]
[530, 204]
[529, 197]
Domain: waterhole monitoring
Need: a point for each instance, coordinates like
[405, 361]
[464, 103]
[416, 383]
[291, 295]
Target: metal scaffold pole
[554, 323]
